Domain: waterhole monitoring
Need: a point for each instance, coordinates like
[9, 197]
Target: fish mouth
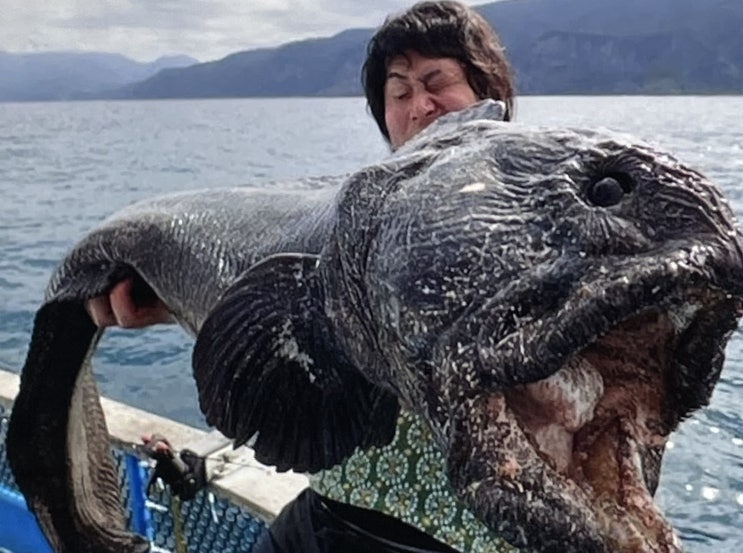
[600, 421]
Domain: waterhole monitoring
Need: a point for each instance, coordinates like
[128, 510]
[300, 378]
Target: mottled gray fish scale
[190, 246]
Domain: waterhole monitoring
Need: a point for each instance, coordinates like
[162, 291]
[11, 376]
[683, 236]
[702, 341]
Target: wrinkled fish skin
[514, 258]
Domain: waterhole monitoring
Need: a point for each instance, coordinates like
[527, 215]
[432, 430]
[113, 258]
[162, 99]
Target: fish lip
[540, 348]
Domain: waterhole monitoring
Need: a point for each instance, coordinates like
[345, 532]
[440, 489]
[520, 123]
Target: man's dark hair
[443, 29]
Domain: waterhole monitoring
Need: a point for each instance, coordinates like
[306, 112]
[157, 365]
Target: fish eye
[609, 190]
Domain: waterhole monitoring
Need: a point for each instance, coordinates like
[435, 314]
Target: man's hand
[120, 308]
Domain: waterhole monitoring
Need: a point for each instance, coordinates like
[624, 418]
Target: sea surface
[65, 166]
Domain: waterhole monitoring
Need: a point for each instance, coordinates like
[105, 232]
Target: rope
[178, 532]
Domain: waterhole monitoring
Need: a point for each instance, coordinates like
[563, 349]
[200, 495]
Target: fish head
[573, 288]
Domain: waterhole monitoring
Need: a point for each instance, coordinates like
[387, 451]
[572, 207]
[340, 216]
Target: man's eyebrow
[430, 75]
[425, 78]
[396, 75]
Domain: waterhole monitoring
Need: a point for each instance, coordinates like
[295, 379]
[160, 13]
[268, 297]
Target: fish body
[553, 302]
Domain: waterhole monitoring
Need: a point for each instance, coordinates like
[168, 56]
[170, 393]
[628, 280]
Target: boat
[240, 499]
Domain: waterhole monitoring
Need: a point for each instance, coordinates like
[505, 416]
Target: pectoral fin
[268, 368]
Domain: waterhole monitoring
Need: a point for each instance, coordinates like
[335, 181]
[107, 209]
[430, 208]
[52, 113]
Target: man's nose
[424, 106]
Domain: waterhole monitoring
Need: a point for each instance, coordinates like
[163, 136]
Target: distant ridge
[555, 47]
[314, 67]
[45, 76]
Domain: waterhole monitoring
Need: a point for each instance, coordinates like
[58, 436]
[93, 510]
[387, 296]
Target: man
[434, 58]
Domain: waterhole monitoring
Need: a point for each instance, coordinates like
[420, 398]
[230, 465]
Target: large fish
[552, 302]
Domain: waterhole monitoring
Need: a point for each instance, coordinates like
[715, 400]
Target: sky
[204, 29]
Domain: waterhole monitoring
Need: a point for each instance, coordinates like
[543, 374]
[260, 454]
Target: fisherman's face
[418, 90]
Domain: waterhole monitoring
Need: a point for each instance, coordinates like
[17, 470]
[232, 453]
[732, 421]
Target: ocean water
[66, 166]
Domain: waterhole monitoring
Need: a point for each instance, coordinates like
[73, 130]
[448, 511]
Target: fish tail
[58, 444]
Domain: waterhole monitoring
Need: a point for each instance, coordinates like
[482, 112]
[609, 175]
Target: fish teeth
[572, 393]
[551, 410]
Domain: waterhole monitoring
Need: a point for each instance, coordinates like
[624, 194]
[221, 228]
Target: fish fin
[57, 441]
[270, 373]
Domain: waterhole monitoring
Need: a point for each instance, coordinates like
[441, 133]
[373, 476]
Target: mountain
[555, 47]
[633, 46]
[314, 67]
[64, 75]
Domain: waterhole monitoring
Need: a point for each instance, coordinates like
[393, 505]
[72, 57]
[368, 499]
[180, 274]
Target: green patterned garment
[406, 479]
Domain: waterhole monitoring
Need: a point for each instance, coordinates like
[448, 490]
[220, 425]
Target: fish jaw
[535, 506]
[495, 470]
[570, 462]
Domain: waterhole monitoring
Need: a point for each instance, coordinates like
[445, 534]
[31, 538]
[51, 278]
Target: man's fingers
[114, 309]
[122, 305]
[130, 315]
[119, 308]
[101, 312]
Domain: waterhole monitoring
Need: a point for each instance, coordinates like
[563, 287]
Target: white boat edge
[233, 474]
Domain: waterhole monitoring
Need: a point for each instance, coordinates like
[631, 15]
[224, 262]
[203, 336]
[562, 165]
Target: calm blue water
[64, 167]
